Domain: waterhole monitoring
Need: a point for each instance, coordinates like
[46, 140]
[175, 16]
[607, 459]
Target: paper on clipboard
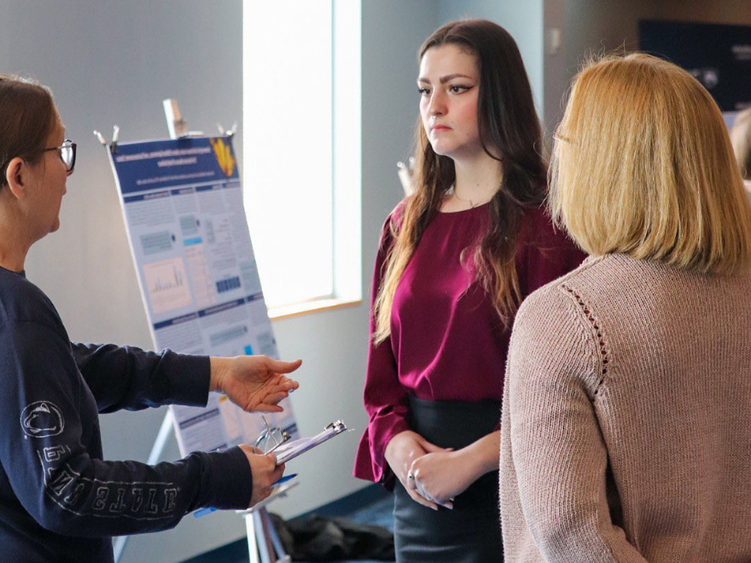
[291, 450]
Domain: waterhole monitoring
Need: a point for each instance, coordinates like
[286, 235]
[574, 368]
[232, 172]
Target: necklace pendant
[468, 200]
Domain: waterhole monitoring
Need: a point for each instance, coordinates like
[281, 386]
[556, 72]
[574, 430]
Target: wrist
[480, 457]
[218, 370]
[400, 449]
[466, 463]
[393, 443]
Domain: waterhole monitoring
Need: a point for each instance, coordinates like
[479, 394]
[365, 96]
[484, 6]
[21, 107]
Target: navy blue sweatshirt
[59, 501]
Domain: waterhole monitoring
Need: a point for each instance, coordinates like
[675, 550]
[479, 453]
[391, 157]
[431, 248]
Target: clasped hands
[432, 476]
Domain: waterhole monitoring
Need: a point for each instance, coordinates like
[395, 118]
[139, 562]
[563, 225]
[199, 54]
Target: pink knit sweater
[626, 431]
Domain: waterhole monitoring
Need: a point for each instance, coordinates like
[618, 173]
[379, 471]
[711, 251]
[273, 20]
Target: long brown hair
[27, 116]
[510, 132]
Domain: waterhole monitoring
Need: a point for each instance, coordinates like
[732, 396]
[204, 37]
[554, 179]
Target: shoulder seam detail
[604, 350]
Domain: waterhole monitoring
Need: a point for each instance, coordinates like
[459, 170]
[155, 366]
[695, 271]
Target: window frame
[346, 175]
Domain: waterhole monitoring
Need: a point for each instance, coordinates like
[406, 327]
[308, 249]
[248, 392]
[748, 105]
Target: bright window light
[290, 97]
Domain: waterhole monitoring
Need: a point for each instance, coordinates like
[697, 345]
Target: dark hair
[509, 132]
[27, 114]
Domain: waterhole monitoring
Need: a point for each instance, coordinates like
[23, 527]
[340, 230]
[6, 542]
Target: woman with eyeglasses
[455, 260]
[626, 422]
[59, 500]
[740, 136]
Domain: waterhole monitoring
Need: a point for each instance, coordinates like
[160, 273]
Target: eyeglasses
[67, 154]
[270, 437]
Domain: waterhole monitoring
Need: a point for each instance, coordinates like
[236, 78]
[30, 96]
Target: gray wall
[110, 62]
[523, 20]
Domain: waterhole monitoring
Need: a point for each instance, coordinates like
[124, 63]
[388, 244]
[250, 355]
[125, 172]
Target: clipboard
[290, 450]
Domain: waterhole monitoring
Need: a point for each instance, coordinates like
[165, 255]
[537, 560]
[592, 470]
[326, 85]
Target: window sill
[313, 306]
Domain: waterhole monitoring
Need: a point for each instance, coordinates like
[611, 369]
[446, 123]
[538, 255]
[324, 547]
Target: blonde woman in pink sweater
[626, 431]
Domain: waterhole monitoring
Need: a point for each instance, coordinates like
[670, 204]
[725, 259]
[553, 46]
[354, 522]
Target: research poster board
[183, 207]
[717, 55]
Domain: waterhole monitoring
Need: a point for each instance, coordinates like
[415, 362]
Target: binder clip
[227, 133]
[103, 141]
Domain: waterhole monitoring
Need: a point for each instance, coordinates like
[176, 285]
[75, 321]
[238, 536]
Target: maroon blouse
[447, 342]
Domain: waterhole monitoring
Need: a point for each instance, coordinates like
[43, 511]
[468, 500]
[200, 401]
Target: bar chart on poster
[166, 285]
[183, 208]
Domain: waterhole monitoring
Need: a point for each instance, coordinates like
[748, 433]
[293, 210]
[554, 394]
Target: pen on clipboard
[284, 480]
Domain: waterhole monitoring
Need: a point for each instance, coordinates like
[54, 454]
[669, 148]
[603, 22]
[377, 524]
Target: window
[301, 138]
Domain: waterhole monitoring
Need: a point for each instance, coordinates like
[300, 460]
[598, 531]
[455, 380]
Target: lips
[439, 128]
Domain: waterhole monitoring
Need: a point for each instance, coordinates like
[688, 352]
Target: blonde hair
[645, 168]
[740, 137]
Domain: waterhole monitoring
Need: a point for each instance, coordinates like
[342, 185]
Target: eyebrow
[445, 79]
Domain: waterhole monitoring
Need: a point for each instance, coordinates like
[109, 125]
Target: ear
[17, 176]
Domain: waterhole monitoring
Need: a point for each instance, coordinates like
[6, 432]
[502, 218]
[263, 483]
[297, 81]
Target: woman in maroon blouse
[456, 259]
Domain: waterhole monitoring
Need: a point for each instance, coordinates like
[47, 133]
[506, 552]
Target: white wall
[112, 62]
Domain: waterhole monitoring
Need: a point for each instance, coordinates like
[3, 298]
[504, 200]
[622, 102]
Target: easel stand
[264, 545]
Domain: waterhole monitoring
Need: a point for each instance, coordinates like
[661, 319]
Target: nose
[437, 105]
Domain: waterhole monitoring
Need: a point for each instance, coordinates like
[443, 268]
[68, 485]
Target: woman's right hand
[264, 470]
[401, 451]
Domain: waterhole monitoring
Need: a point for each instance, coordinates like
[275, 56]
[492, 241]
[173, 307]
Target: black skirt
[471, 532]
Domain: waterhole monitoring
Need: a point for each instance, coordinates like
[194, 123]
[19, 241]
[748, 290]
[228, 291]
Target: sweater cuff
[229, 480]
[190, 378]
